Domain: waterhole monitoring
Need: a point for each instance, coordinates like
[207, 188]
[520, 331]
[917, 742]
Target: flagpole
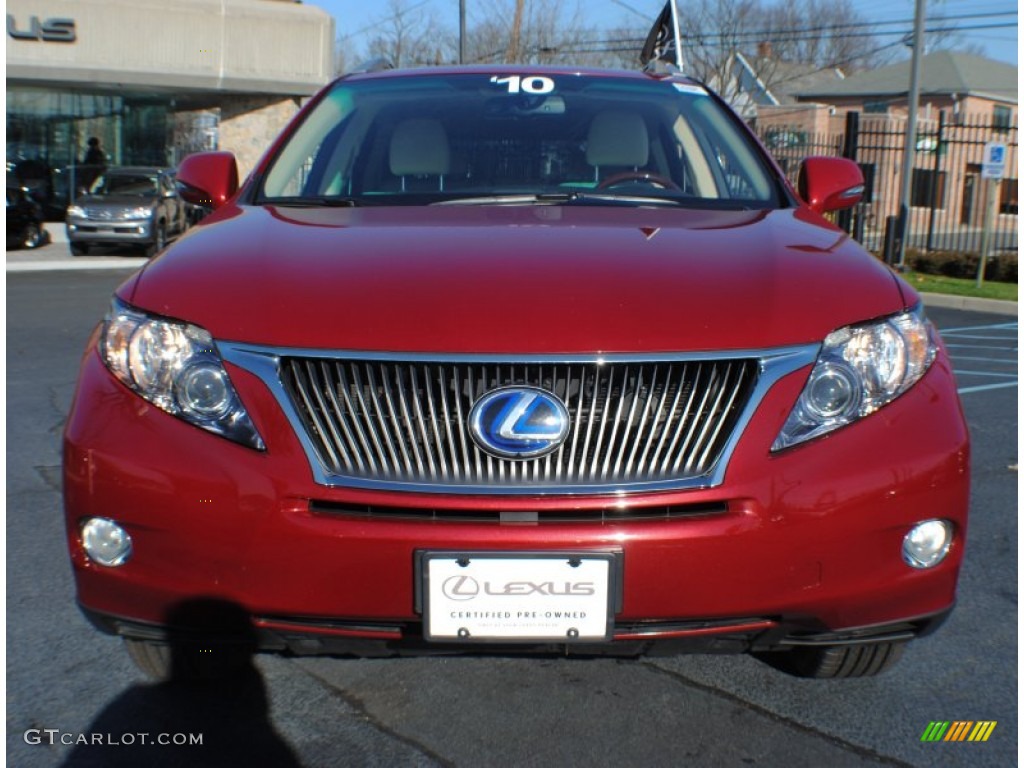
[675, 31]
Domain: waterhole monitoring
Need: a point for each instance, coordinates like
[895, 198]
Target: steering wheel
[645, 176]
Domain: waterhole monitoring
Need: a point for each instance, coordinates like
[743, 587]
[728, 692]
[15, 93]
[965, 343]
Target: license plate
[486, 597]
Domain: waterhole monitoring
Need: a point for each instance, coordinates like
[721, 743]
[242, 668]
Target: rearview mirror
[830, 183]
[208, 179]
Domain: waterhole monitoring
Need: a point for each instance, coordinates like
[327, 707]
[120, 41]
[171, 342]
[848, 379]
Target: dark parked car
[134, 206]
[24, 219]
[498, 359]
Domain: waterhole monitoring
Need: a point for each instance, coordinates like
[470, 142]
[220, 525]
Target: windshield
[125, 184]
[451, 138]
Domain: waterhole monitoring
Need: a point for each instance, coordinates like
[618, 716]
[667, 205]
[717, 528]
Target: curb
[994, 306]
[58, 234]
[78, 264]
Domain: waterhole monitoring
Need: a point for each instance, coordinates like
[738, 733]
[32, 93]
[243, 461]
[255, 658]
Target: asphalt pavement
[67, 682]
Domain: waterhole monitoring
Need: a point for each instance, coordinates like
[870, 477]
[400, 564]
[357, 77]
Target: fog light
[106, 542]
[927, 543]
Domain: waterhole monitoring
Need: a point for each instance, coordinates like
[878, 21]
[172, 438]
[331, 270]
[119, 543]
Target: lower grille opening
[604, 516]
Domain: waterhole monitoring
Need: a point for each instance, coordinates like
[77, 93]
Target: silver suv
[135, 206]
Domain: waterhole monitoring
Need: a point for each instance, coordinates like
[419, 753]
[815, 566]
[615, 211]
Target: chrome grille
[406, 422]
[107, 214]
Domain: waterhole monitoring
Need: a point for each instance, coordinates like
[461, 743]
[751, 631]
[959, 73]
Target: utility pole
[462, 31]
[910, 145]
[512, 54]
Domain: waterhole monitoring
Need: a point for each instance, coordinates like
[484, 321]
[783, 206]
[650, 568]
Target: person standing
[94, 162]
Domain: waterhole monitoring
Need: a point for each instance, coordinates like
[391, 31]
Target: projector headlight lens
[859, 369]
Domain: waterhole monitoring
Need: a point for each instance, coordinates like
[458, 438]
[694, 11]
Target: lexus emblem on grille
[518, 422]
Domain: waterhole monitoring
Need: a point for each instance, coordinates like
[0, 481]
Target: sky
[355, 19]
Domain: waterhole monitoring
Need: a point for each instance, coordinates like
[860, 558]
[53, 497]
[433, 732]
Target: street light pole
[910, 145]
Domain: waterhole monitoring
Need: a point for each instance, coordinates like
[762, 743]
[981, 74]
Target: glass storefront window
[49, 132]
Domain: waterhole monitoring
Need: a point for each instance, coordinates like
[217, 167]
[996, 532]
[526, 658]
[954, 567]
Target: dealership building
[154, 80]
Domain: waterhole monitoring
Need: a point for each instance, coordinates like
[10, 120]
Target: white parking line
[996, 327]
[984, 338]
[992, 360]
[982, 346]
[986, 387]
[997, 332]
[986, 373]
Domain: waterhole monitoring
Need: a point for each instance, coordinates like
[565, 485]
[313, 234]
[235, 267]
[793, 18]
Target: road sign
[993, 165]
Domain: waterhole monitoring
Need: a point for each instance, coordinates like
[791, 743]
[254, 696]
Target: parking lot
[697, 710]
[985, 356]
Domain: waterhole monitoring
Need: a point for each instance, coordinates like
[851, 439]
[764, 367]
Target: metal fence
[948, 196]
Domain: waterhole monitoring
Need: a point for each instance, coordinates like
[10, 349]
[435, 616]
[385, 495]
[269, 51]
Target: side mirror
[830, 183]
[208, 179]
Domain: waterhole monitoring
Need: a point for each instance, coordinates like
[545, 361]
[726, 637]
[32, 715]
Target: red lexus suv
[495, 359]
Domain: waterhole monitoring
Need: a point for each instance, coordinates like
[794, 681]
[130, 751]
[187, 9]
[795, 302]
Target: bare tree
[822, 34]
[409, 37]
[535, 31]
[784, 42]
[947, 39]
[712, 30]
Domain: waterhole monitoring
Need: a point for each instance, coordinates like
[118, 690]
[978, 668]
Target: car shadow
[194, 718]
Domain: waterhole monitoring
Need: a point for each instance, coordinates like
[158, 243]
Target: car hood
[116, 201]
[538, 279]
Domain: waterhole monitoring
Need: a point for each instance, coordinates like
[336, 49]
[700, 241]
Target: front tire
[34, 236]
[159, 241]
[79, 249]
[836, 661]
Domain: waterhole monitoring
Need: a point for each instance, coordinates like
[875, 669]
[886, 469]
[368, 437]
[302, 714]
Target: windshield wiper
[325, 201]
[561, 198]
[513, 199]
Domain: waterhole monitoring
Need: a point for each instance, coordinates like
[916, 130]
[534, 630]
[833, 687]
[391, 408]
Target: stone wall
[249, 124]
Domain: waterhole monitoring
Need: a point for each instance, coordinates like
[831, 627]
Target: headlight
[859, 369]
[142, 212]
[76, 211]
[176, 367]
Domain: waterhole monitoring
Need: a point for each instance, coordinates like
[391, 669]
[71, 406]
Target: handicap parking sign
[993, 165]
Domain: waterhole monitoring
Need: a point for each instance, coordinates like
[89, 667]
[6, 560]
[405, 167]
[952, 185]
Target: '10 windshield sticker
[535, 84]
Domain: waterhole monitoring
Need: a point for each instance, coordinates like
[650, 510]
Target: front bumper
[337, 638]
[804, 543]
[86, 231]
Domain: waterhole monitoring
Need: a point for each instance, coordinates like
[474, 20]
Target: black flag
[661, 40]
